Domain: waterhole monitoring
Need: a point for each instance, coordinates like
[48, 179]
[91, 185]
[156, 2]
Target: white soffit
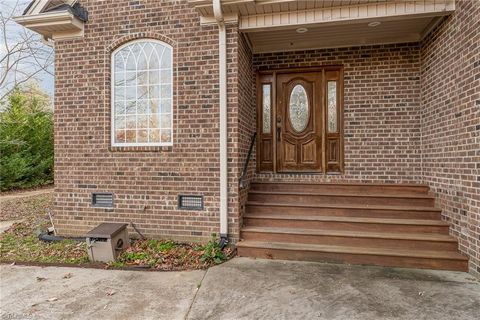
[249, 7]
[378, 10]
[270, 24]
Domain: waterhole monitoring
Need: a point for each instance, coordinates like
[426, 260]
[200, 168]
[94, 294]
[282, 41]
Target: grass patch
[20, 242]
[19, 247]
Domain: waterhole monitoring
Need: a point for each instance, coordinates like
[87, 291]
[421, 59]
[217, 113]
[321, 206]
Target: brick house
[344, 131]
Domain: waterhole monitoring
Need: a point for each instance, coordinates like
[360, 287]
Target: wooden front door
[298, 122]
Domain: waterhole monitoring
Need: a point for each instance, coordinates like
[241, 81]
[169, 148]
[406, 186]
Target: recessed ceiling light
[302, 30]
[374, 23]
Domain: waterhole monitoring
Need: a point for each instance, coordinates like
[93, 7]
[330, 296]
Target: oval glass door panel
[298, 108]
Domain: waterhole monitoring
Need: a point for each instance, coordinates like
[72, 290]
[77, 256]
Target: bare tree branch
[23, 55]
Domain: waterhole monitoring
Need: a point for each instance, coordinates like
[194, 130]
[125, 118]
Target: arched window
[142, 94]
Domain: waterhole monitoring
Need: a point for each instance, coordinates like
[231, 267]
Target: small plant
[166, 245]
[161, 245]
[212, 253]
[116, 264]
[135, 256]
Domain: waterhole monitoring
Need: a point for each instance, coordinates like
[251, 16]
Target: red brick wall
[451, 123]
[246, 116]
[145, 181]
[382, 108]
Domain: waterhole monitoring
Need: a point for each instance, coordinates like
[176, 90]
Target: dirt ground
[23, 204]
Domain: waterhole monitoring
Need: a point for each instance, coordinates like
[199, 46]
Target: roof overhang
[271, 25]
[53, 19]
[58, 25]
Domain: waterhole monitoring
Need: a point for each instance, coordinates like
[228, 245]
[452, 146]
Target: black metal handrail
[245, 165]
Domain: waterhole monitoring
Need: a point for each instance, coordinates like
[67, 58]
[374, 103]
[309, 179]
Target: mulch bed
[167, 255]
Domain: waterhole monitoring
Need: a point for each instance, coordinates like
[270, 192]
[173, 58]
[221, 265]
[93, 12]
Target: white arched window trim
[161, 98]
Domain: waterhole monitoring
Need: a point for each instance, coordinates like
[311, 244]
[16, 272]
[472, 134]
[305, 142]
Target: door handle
[279, 128]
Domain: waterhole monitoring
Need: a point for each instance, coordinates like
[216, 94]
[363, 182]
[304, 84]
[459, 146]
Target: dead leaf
[52, 299]
[39, 279]
[67, 276]
[110, 293]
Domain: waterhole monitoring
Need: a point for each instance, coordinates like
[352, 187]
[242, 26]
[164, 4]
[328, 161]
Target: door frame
[269, 76]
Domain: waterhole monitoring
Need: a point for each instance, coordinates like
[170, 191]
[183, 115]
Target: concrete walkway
[239, 289]
[5, 225]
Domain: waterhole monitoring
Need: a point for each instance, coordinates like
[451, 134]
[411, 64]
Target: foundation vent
[186, 202]
[103, 200]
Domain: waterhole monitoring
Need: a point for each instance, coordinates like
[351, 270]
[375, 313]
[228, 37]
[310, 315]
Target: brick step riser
[349, 241]
[343, 212]
[352, 258]
[324, 199]
[350, 226]
[364, 189]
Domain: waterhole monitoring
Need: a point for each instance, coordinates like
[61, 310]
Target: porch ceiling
[344, 35]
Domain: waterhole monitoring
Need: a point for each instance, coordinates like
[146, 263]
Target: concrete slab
[239, 289]
[266, 289]
[95, 294]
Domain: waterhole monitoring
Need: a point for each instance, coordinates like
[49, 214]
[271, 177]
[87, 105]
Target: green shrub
[212, 253]
[26, 140]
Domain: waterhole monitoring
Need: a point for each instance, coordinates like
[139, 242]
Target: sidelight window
[267, 108]
[332, 106]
